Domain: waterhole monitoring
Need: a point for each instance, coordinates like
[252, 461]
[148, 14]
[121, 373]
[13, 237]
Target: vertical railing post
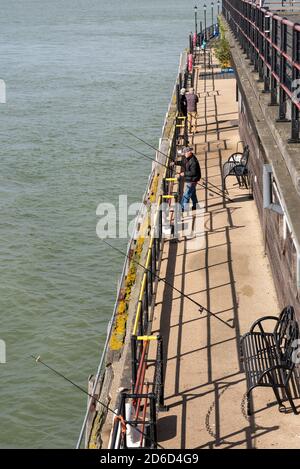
[273, 101]
[164, 184]
[282, 72]
[146, 309]
[160, 375]
[176, 217]
[153, 426]
[160, 226]
[178, 98]
[295, 79]
[134, 360]
[123, 414]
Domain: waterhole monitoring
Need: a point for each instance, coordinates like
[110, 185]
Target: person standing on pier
[183, 102]
[191, 174]
[192, 100]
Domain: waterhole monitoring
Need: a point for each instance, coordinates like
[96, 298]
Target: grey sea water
[75, 71]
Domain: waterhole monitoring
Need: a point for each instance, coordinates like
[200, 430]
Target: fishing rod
[165, 166]
[38, 360]
[221, 192]
[201, 307]
[149, 157]
[164, 154]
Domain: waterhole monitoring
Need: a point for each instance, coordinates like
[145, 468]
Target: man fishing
[192, 174]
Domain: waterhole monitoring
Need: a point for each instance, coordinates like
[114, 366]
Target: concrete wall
[268, 145]
[279, 244]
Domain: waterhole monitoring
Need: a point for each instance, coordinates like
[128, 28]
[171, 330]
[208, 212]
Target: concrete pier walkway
[229, 274]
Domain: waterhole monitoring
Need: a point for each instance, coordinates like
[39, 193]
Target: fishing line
[204, 186]
[220, 193]
[38, 360]
[201, 307]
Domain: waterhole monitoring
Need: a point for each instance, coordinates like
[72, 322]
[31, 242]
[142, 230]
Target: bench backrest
[286, 332]
[245, 157]
[290, 345]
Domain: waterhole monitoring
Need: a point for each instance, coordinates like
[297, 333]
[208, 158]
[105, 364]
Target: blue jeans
[190, 193]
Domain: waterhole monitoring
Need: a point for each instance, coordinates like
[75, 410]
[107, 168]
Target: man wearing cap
[192, 174]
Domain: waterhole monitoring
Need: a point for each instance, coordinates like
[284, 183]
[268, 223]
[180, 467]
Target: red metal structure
[272, 43]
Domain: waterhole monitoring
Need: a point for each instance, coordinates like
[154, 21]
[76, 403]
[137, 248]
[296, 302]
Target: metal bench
[268, 357]
[237, 165]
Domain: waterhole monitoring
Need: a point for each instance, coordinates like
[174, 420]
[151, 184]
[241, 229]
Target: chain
[244, 407]
[211, 408]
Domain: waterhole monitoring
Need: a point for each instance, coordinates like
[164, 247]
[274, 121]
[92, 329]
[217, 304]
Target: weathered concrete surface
[284, 157]
[230, 275]
[268, 142]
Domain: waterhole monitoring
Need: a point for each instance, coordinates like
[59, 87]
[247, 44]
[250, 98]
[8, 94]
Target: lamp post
[195, 19]
[204, 9]
[218, 3]
[212, 14]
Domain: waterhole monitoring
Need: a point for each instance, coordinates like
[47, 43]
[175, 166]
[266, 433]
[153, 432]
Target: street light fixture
[218, 3]
[204, 9]
[196, 19]
[212, 14]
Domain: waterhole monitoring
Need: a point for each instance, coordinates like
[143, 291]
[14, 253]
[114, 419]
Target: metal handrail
[98, 377]
[101, 369]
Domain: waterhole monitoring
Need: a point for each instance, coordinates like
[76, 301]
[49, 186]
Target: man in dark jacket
[183, 102]
[192, 174]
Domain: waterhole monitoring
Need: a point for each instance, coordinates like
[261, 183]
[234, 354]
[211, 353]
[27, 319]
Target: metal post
[212, 14]
[295, 78]
[266, 75]
[153, 429]
[195, 18]
[153, 263]
[133, 360]
[123, 414]
[178, 98]
[164, 184]
[282, 72]
[205, 32]
[160, 226]
[176, 216]
[218, 3]
[273, 101]
[148, 295]
[266, 81]
[160, 376]
[150, 289]
[141, 330]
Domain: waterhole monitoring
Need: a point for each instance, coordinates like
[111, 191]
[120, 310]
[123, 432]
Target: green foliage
[221, 47]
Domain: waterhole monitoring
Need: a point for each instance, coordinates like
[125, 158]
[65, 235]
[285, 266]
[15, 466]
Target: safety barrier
[130, 430]
[272, 43]
[145, 398]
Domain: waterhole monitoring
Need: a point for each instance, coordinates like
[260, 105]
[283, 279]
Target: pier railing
[270, 47]
[145, 397]
[167, 144]
[272, 43]
[130, 429]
